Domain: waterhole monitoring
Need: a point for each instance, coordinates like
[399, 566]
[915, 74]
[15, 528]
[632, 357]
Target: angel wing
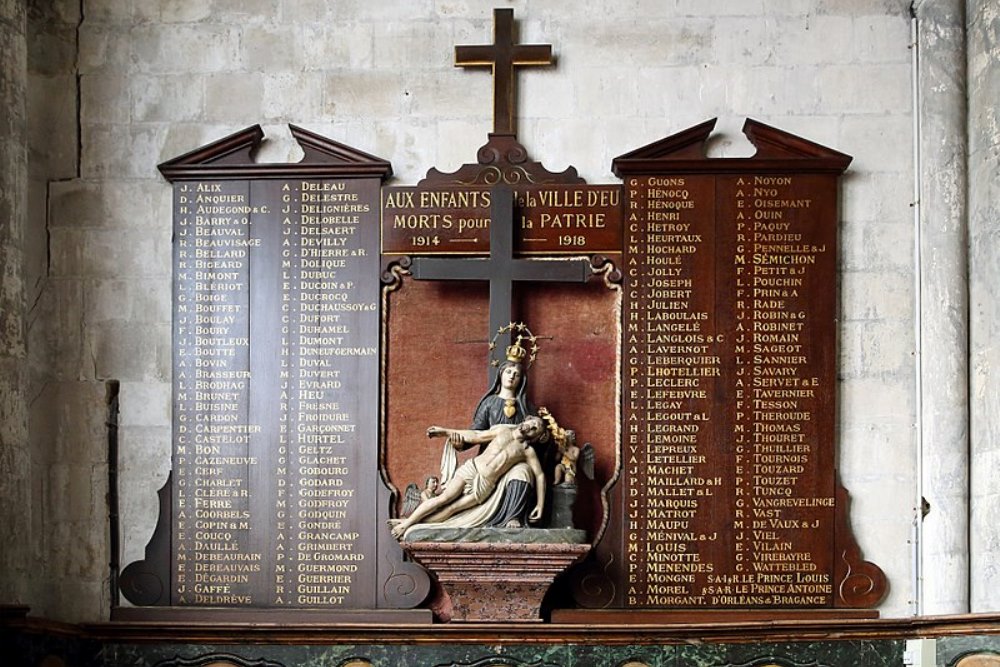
[586, 463]
[411, 498]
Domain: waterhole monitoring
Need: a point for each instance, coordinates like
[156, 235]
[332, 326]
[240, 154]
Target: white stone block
[877, 197]
[105, 99]
[603, 93]
[270, 48]
[129, 351]
[55, 347]
[278, 145]
[143, 466]
[167, 98]
[344, 45]
[875, 349]
[458, 141]
[178, 11]
[766, 90]
[546, 94]
[62, 11]
[717, 7]
[865, 7]
[52, 49]
[561, 143]
[188, 47]
[665, 42]
[857, 89]
[685, 95]
[253, 11]
[68, 420]
[108, 11]
[875, 295]
[104, 48]
[292, 95]
[144, 404]
[366, 94]
[51, 121]
[810, 40]
[234, 98]
[744, 41]
[115, 204]
[882, 39]
[878, 400]
[409, 148]
[141, 300]
[461, 9]
[377, 12]
[873, 245]
[412, 45]
[107, 253]
[122, 151]
[433, 95]
[879, 143]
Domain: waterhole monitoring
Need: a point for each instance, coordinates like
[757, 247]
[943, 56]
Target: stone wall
[68, 407]
[943, 307]
[984, 267]
[15, 460]
[158, 79]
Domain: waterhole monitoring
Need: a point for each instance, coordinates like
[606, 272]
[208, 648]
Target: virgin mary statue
[505, 402]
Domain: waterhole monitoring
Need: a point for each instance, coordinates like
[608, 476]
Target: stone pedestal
[495, 582]
[563, 501]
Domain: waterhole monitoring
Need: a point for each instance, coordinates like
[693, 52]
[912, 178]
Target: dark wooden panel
[729, 495]
[729, 352]
[276, 376]
[276, 381]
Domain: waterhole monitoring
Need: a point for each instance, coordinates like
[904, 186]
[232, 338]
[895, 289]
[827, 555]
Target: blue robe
[518, 496]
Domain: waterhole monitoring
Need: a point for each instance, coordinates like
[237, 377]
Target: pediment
[777, 150]
[232, 157]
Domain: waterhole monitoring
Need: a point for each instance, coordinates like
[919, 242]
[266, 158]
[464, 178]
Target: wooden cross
[502, 56]
[501, 269]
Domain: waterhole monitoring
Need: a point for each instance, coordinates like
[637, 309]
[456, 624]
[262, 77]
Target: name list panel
[275, 382]
[729, 361]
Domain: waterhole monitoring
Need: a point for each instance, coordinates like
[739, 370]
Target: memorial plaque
[275, 371]
[276, 357]
[695, 351]
[728, 497]
[549, 219]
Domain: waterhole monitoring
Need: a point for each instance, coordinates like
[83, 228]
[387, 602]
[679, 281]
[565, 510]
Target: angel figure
[570, 457]
[413, 496]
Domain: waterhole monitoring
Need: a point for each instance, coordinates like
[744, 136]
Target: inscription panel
[549, 219]
[729, 411]
[275, 382]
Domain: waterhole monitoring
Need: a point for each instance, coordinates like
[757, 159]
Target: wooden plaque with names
[728, 497]
[275, 382]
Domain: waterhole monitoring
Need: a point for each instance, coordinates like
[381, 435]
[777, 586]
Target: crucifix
[502, 56]
[501, 268]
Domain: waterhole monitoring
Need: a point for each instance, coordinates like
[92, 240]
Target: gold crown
[516, 352]
[523, 350]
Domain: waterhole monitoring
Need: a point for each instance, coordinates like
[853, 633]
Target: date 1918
[572, 240]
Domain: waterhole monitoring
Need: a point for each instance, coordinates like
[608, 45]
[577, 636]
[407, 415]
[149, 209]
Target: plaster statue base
[494, 581]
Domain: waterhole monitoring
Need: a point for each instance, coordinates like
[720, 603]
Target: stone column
[983, 34]
[15, 460]
[943, 268]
